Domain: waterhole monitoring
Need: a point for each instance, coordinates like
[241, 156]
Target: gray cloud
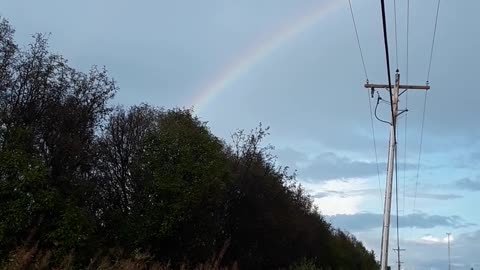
[424, 255]
[469, 184]
[367, 221]
[345, 194]
[438, 196]
[475, 156]
[465, 246]
[473, 237]
[328, 165]
[370, 191]
[322, 194]
[289, 156]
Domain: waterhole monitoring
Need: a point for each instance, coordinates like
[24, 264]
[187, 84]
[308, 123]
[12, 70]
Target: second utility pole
[391, 159]
[449, 262]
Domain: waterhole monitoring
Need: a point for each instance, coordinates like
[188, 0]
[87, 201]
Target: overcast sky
[295, 66]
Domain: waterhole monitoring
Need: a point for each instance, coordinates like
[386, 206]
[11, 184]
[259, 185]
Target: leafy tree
[49, 113]
[119, 184]
[80, 180]
[187, 175]
[22, 193]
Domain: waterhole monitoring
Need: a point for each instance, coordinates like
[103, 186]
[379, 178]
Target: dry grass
[43, 260]
[21, 258]
[25, 258]
[144, 261]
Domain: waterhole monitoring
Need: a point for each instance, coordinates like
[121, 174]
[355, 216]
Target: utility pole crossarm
[406, 87]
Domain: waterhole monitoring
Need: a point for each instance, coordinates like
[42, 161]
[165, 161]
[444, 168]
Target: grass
[25, 257]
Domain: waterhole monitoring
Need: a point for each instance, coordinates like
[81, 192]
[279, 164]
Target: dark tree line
[81, 178]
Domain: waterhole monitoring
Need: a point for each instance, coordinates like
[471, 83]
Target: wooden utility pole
[399, 263]
[391, 159]
[449, 262]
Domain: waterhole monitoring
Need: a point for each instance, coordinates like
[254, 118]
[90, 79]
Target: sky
[295, 66]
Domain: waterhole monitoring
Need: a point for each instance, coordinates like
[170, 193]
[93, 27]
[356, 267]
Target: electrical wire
[396, 200]
[369, 102]
[396, 39]
[406, 115]
[376, 107]
[375, 149]
[387, 58]
[433, 42]
[405, 159]
[358, 40]
[425, 106]
[420, 151]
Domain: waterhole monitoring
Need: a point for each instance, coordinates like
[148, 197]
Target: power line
[406, 108]
[387, 57]
[375, 149]
[425, 105]
[369, 102]
[376, 107]
[393, 156]
[420, 150]
[433, 42]
[396, 204]
[405, 154]
[358, 39]
[408, 32]
[395, 21]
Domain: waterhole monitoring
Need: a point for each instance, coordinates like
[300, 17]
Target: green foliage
[48, 116]
[72, 229]
[305, 264]
[187, 168]
[21, 196]
[80, 180]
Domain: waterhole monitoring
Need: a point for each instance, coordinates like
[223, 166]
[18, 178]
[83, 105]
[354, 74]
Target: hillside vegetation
[87, 185]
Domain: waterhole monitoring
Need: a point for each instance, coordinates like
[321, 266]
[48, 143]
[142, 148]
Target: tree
[118, 177]
[49, 113]
[82, 180]
[187, 175]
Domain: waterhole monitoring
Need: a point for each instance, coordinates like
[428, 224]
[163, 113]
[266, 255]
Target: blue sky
[308, 89]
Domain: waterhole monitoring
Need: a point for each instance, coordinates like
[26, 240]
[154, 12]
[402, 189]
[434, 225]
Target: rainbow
[249, 57]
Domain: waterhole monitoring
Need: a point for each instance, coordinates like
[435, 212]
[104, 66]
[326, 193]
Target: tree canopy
[84, 183]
